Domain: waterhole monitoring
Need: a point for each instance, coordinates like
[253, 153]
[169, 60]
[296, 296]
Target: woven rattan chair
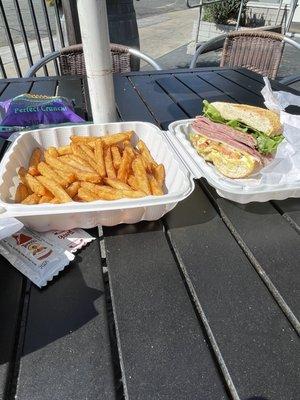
[258, 51]
[71, 60]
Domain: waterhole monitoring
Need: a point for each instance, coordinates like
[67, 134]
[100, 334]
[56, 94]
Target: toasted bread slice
[263, 120]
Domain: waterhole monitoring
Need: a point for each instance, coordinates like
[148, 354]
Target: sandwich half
[237, 139]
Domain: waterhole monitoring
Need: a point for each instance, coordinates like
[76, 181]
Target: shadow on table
[257, 398]
[69, 303]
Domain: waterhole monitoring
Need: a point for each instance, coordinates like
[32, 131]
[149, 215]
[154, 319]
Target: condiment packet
[71, 240]
[41, 256]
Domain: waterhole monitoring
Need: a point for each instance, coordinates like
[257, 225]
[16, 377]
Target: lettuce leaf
[265, 144]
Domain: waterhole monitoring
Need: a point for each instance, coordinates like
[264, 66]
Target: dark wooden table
[202, 304]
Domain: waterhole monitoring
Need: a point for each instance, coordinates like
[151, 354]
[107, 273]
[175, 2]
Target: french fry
[63, 150]
[88, 151]
[86, 195]
[50, 173]
[54, 201]
[31, 199]
[116, 156]
[141, 175]
[124, 168]
[82, 139]
[52, 151]
[103, 192]
[99, 158]
[80, 151]
[116, 138]
[133, 193]
[63, 168]
[117, 184]
[21, 193]
[22, 176]
[156, 189]
[159, 174]
[72, 190]
[110, 170]
[55, 189]
[145, 152]
[35, 185]
[76, 162]
[34, 160]
[46, 199]
[133, 182]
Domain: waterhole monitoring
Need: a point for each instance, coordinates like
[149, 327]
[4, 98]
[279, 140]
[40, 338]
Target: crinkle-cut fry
[22, 176]
[35, 185]
[72, 190]
[145, 152]
[75, 162]
[159, 174]
[125, 165]
[110, 170]
[21, 193]
[33, 170]
[87, 195]
[34, 160]
[117, 184]
[88, 151]
[51, 151]
[54, 201]
[62, 167]
[55, 189]
[36, 156]
[156, 190]
[141, 175]
[63, 150]
[116, 156]
[45, 199]
[103, 192]
[70, 177]
[99, 157]
[82, 139]
[133, 193]
[80, 152]
[133, 182]
[109, 140]
[50, 173]
[32, 199]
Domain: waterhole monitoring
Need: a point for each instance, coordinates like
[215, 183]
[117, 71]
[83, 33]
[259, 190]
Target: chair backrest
[72, 61]
[258, 51]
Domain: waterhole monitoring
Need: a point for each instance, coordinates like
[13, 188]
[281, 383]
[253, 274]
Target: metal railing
[29, 30]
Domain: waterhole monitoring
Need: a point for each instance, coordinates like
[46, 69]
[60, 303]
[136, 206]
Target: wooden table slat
[246, 322]
[163, 351]
[66, 351]
[160, 104]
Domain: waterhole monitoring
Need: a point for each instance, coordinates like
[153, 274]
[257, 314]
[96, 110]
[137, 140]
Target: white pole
[95, 41]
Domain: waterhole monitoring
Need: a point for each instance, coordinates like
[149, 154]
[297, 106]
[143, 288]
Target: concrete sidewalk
[159, 35]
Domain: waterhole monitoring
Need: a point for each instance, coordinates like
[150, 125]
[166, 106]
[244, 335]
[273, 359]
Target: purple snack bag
[31, 111]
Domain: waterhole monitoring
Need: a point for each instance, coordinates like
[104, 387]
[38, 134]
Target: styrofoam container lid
[239, 190]
[42, 217]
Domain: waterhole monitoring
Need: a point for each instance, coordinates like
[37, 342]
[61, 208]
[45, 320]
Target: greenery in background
[50, 2]
[222, 12]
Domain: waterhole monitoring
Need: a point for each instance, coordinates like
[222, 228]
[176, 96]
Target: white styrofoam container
[233, 189]
[44, 217]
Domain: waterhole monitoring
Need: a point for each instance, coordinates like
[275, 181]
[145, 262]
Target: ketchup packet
[32, 111]
[41, 256]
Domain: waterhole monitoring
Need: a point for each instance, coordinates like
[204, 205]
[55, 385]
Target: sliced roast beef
[213, 134]
[242, 137]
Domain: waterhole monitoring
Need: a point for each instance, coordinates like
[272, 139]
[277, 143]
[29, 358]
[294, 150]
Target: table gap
[252, 259]
[202, 319]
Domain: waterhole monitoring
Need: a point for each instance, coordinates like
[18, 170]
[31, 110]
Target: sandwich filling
[265, 144]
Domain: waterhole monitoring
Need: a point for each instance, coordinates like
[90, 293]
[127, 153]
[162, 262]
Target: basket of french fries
[89, 175]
